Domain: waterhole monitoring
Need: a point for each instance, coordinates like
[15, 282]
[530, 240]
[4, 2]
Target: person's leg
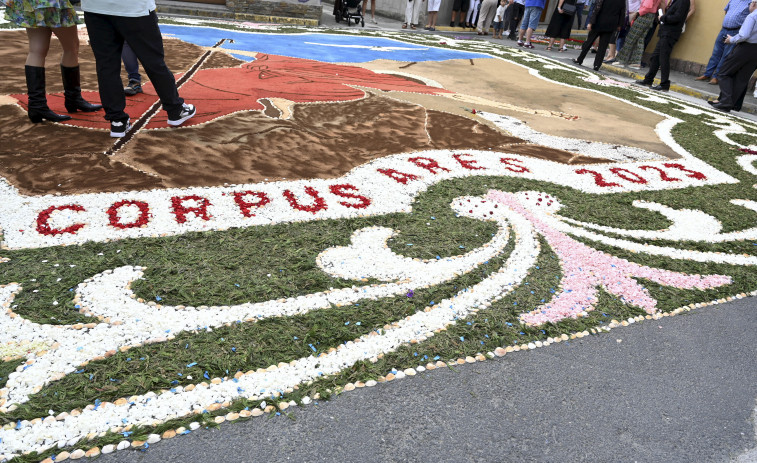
[666, 49]
[416, 13]
[524, 24]
[434, 16]
[534, 23]
[516, 17]
[734, 75]
[586, 46]
[727, 49]
[69, 68]
[69, 41]
[654, 64]
[39, 44]
[579, 12]
[131, 63]
[604, 41]
[106, 43]
[143, 35]
[717, 54]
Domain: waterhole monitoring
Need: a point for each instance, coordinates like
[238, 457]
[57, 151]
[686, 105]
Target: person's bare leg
[529, 33]
[69, 40]
[39, 44]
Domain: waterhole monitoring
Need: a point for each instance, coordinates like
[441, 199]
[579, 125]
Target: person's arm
[692, 9]
[595, 13]
[559, 5]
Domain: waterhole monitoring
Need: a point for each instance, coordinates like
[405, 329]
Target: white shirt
[500, 13]
[131, 8]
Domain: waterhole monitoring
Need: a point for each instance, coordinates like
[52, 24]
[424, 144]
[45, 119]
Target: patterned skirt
[41, 13]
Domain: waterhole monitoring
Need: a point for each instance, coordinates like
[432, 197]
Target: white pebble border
[95, 451]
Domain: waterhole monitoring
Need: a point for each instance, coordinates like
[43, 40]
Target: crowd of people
[117, 31]
[618, 33]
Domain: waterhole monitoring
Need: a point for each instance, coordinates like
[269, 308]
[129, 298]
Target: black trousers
[660, 60]
[734, 74]
[513, 16]
[604, 41]
[106, 37]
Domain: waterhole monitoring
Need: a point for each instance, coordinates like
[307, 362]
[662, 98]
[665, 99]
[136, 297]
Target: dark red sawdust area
[219, 92]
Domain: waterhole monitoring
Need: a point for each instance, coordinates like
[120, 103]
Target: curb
[747, 107]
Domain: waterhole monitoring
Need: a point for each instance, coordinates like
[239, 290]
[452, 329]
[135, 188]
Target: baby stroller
[349, 10]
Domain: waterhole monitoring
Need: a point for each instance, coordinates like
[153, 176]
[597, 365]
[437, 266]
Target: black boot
[72, 91]
[35, 86]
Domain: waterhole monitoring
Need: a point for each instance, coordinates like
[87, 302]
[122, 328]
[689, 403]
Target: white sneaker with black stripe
[187, 112]
[119, 128]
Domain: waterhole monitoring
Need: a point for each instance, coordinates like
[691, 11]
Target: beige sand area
[601, 118]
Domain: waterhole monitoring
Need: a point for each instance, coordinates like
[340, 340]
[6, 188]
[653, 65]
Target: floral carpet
[343, 211]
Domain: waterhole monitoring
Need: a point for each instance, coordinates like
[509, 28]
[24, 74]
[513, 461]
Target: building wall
[696, 43]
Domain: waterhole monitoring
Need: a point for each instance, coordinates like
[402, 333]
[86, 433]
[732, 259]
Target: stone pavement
[681, 83]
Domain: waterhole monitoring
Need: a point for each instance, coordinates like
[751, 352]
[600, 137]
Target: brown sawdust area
[318, 141]
[602, 118]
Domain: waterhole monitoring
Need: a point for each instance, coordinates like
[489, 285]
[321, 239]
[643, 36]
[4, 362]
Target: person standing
[739, 65]
[634, 45]
[110, 23]
[580, 5]
[531, 16]
[433, 12]
[671, 27]
[412, 12]
[470, 18]
[131, 64]
[486, 16]
[42, 19]
[607, 18]
[499, 20]
[459, 8]
[373, 10]
[736, 12]
[514, 15]
[561, 23]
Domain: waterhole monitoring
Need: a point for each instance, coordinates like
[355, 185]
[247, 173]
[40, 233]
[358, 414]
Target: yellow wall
[696, 43]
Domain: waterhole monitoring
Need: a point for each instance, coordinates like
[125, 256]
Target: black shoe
[596, 68]
[452, 24]
[38, 110]
[593, 50]
[713, 102]
[576, 62]
[722, 107]
[72, 91]
[187, 112]
[660, 88]
[119, 128]
[133, 88]
[643, 82]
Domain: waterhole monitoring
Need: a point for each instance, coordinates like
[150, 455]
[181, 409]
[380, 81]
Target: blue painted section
[322, 47]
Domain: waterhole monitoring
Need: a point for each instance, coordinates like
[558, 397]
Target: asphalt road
[679, 389]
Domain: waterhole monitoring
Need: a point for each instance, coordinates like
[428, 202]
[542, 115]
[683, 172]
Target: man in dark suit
[671, 27]
[608, 16]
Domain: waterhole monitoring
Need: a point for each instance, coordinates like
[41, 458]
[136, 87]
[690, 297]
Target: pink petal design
[585, 269]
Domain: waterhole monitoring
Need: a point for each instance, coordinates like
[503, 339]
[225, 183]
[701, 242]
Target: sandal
[404, 26]
[549, 48]
[412, 26]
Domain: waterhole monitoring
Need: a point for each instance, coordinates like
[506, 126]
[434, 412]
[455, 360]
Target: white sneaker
[187, 112]
[119, 128]
[373, 20]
